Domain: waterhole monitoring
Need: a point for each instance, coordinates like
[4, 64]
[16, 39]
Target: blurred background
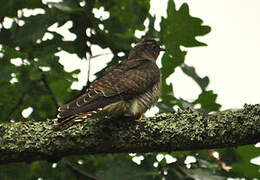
[51, 50]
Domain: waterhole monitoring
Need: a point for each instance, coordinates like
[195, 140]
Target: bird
[126, 89]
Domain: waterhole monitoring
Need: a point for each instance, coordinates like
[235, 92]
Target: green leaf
[67, 6]
[6, 69]
[202, 174]
[207, 100]
[182, 28]
[46, 106]
[60, 88]
[10, 97]
[13, 53]
[183, 103]
[10, 7]
[123, 168]
[35, 170]
[35, 75]
[167, 95]
[34, 29]
[126, 15]
[190, 71]
[178, 29]
[239, 158]
[152, 32]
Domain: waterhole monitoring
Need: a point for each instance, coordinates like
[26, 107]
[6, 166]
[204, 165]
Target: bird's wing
[120, 82]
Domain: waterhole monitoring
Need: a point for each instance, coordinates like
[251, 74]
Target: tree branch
[79, 173]
[182, 130]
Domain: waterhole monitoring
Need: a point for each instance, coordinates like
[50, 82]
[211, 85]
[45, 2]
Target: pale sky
[231, 59]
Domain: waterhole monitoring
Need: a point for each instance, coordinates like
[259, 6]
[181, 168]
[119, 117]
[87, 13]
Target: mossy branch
[182, 130]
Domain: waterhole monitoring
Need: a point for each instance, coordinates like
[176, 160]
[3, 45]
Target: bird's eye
[154, 47]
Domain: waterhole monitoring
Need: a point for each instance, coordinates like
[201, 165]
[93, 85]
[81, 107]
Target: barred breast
[136, 106]
[145, 101]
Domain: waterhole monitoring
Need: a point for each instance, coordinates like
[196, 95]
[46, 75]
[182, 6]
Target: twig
[79, 173]
[53, 97]
[19, 103]
[220, 163]
[178, 167]
[92, 57]
[89, 68]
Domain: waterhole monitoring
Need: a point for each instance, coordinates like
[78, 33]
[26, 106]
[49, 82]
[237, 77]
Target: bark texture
[182, 130]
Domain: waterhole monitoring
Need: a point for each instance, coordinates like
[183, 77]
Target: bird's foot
[140, 119]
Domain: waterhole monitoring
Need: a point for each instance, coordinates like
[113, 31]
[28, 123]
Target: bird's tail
[69, 121]
[64, 124]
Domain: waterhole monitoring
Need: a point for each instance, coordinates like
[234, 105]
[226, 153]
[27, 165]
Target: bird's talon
[141, 117]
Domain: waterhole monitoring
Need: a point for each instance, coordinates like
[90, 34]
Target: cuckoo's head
[147, 48]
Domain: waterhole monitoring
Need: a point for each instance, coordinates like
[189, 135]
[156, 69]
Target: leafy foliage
[31, 76]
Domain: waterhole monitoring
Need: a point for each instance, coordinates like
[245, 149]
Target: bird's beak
[162, 49]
